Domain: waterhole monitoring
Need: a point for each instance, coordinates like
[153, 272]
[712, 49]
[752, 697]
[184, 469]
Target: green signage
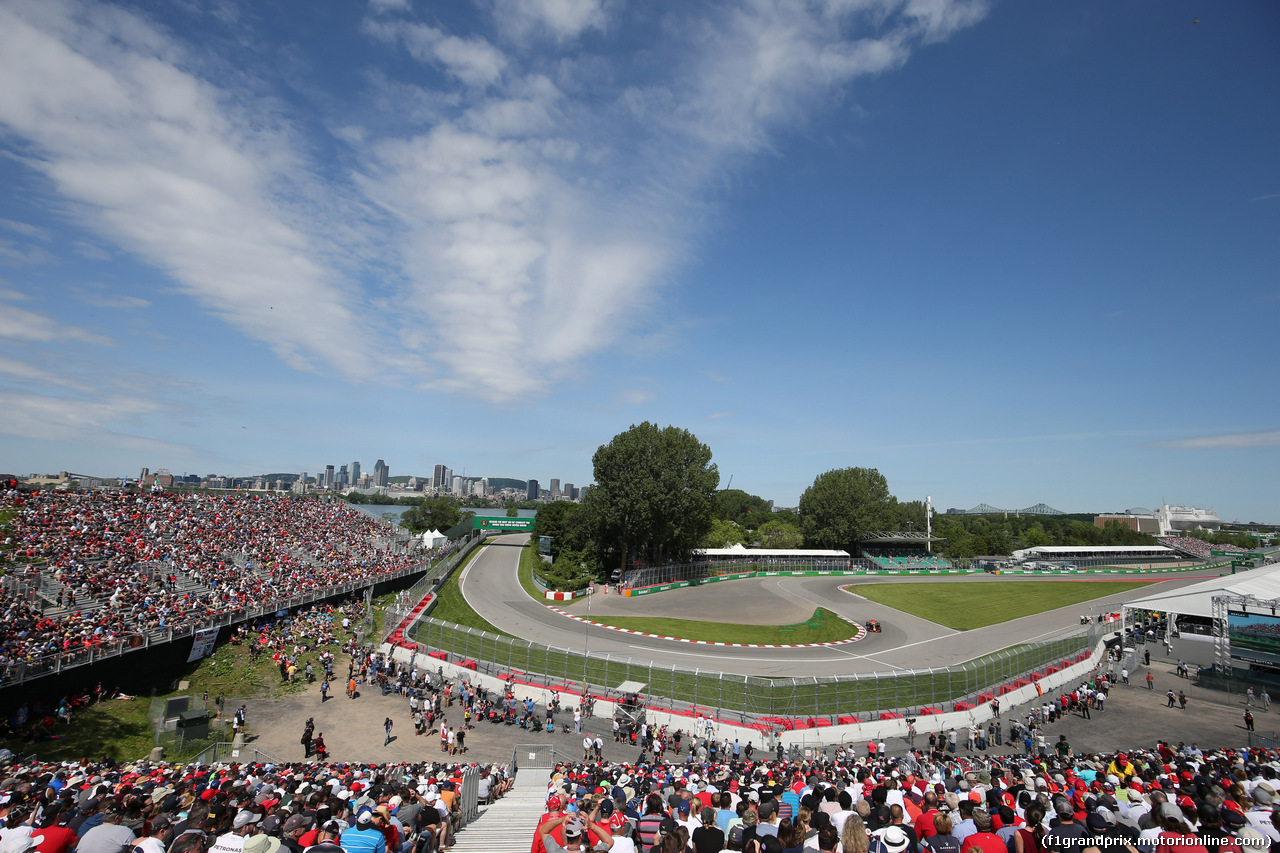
[1249, 555]
[506, 525]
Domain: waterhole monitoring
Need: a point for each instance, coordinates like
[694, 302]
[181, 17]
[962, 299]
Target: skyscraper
[380, 473]
[328, 476]
[439, 478]
[531, 494]
[555, 488]
[342, 478]
[355, 473]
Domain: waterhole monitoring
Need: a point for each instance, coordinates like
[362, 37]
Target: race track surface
[491, 586]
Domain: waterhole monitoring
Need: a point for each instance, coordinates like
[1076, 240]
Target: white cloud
[562, 18]
[19, 324]
[507, 220]
[159, 162]
[115, 422]
[473, 61]
[636, 396]
[720, 415]
[27, 230]
[1228, 441]
[114, 300]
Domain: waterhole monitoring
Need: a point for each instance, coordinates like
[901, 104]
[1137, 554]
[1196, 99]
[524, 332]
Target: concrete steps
[508, 825]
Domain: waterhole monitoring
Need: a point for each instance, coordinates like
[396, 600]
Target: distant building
[531, 493]
[355, 473]
[439, 478]
[342, 477]
[1175, 519]
[570, 492]
[328, 477]
[555, 488]
[1137, 519]
[381, 474]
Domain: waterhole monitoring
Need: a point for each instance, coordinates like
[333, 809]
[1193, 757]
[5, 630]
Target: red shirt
[985, 842]
[924, 824]
[57, 839]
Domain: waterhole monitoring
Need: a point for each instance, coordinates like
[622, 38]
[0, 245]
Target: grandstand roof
[1045, 550]
[901, 537]
[1197, 599]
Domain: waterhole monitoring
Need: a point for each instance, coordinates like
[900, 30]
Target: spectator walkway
[505, 826]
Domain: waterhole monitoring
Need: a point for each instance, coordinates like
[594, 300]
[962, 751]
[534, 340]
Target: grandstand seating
[898, 559]
[99, 568]
[1197, 549]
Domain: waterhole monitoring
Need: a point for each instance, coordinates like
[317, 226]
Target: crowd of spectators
[1194, 547]
[101, 807]
[1220, 801]
[893, 558]
[100, 567]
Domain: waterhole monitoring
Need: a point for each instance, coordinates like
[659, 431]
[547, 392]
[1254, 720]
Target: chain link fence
[837, 699]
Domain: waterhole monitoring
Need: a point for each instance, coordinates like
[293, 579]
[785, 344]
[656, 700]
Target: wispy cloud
[159, 161]
[636, 396]
[719, 415]
[533, 197]
[1227, 441]
[19, 324]
[26, 229]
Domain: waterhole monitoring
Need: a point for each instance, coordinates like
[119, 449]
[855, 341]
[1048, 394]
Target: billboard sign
[1254, 637]
[505, 525]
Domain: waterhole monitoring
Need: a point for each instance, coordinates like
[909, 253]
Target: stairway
[508, 825]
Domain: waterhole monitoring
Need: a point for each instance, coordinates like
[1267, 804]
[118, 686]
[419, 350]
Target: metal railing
[749, 699]
[223, 752]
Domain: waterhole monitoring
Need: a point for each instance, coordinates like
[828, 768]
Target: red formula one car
[873, 626]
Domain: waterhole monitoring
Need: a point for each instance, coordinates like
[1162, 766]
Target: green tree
[844, 506]
[749, 511]
[439, 513]
[723, 534]
[653, 493]
[780, 533]
[559, 521]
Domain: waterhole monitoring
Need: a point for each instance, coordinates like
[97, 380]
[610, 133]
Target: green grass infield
[963, 606]
[822, 627]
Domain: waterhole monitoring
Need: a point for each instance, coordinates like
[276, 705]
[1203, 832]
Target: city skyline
[1002, 252]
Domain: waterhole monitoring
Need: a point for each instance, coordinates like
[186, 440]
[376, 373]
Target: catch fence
[702, 569]
[407, 601]
[747, 699]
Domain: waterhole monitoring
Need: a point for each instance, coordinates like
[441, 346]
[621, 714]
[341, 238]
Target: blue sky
[1006, 252]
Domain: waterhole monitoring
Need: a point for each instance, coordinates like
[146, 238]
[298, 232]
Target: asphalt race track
[491, 586]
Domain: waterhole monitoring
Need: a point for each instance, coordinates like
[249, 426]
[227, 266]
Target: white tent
[432, 539]
[1197, 598]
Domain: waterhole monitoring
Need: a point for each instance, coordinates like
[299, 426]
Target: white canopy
[1197, 598]
[432, 539]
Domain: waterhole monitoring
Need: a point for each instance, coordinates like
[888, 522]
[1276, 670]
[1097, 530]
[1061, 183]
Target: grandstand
[99, 573]
[1196, 549]
[903, 549]
[1097, 554]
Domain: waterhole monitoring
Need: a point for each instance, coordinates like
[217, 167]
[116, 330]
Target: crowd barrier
[750, 698]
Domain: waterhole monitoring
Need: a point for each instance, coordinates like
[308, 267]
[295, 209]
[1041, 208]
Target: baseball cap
[298, 821]
[554, 802]
[364, 816]
[573, 827]
[244, 817]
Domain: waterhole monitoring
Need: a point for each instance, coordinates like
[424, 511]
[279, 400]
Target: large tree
[653, 493]
[844, 505]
